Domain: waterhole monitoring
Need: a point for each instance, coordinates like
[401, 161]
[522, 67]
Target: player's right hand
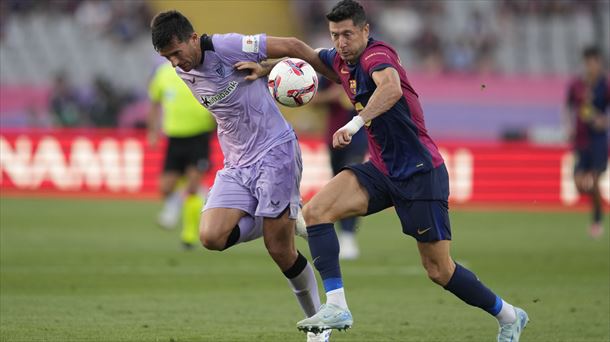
[341, 138]
[256, 70]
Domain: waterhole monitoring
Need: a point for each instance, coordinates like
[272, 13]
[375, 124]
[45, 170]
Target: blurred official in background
[187, 124]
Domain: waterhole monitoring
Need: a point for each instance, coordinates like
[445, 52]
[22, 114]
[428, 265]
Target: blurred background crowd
[505, 36]
[86, 63]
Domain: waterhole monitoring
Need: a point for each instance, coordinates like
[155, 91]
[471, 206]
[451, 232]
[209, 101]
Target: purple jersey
[249, 122]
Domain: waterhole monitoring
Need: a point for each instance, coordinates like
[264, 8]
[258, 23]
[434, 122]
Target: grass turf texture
[87, 270]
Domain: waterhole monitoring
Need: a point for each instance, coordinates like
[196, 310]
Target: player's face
[593, 66]
[350, 40]
[186, 55]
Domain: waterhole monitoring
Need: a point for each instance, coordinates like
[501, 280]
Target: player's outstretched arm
[388, 92]
[257, 70]
[278, 47]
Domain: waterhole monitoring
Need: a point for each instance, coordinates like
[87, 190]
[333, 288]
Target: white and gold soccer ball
[293, 82]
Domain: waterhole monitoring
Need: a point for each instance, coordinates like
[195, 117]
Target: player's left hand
[341, 138]
[256, 70]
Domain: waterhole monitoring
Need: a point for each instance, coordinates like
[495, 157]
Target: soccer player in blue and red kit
[588, 101]
[405, 171]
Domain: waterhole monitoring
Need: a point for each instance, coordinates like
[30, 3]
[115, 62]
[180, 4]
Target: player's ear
[365, 30]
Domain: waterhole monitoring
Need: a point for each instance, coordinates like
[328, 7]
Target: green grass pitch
[89, 270]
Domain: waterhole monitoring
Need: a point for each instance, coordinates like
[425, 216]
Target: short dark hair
[348, 9]
[592, 51]
[167, 25]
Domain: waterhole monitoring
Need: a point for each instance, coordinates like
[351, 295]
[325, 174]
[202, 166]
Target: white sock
[174, 201]
[305, 288]
[507, 314]
[337, 297]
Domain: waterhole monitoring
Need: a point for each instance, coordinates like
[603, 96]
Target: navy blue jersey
[399, 144]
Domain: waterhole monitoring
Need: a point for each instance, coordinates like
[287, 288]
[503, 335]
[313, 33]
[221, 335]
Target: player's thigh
[599, 162]
[426, 221]
[343, 196]
[275, 180]
[228, 200]
[217, 223]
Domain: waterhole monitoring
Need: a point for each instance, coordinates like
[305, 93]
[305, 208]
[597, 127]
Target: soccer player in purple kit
[262, 159]
[588, 100]
[405, 171]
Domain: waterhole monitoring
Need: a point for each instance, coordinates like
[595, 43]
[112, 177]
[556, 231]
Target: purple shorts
[265, 188]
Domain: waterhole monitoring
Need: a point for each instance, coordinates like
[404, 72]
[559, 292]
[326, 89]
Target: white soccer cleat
[329, 316]
[323, 336]
[301, 226]
[348, 247]
[511, 332]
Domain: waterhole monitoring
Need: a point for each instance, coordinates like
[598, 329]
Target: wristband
[354, 125]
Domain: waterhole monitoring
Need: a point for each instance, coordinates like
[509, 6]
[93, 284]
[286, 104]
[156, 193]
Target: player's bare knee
[211, 241]
[437, 272]
[314, 214]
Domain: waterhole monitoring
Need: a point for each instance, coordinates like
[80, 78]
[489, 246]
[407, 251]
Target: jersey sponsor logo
[250, 43]
[208, 101]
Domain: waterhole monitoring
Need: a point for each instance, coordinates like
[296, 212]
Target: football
[293, 82]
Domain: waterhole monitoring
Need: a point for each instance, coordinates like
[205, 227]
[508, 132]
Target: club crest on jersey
[352, 86]
[220, 71]
[208, 101]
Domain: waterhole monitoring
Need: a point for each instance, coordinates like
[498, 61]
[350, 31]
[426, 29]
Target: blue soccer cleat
[510, 332]
[329, 316]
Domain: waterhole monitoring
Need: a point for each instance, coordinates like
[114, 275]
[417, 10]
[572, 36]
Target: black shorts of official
[421, 201]
[185, 152]
[593, 158]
